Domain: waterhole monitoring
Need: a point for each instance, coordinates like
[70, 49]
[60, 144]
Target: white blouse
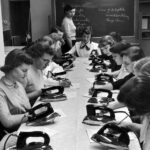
[69, 28]
[80, 51]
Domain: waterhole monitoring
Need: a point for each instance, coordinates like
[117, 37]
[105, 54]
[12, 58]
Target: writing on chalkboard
[113, 15]
[104, 16]
[80, 20]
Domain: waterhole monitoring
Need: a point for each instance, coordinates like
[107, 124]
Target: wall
[2, 55]
[5, 14]
[40, 13]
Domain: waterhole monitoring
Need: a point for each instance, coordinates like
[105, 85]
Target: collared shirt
[14, 95]
[69, 28]
[80, 50]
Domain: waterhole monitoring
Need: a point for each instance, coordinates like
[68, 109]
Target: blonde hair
[145, 70]
[139, 64]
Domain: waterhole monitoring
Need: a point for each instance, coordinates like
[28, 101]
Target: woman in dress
[68, 28]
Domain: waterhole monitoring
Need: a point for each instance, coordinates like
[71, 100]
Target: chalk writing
[80, 20]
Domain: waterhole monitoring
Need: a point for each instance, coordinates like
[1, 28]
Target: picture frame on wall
[144, 23]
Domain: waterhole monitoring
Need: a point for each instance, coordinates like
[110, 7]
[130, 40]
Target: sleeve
[66, 28]
[6, 118]
[95, 46]
[73, 50]
[119, 83]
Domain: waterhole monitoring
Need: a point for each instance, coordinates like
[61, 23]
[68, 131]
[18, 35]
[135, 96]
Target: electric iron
[98, 115]
[53, 94]
[41, 114]
[112, 136]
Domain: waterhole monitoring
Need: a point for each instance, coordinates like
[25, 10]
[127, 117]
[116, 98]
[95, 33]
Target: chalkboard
[104, 16]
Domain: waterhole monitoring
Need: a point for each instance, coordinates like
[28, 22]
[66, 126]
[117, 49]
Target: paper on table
[90, 133]
[59, 111]
[75, 86]
[89, 68]
[91, 80]
[45, 129]
[71, 94]
[87, 95]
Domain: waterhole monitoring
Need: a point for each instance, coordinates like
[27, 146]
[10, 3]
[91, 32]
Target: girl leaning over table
[136, 96]
[14, 101]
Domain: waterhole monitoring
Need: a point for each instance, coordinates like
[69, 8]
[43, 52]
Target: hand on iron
[65, 83]
[123, 124]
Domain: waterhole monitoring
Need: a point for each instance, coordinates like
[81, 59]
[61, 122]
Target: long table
[71, 132]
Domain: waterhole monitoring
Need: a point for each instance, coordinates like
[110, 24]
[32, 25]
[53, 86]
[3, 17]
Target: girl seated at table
[140, 67]
[14, 101]
[135, 95]
[130, 56]
[118, 58]
[41, 55]
[84, 47]
[105, 43]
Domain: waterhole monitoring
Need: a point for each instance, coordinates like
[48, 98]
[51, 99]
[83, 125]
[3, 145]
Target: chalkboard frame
[133, 38]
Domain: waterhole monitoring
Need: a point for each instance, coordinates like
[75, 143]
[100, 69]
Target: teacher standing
[68, 28]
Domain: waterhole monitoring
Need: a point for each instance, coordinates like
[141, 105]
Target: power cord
[8, 139]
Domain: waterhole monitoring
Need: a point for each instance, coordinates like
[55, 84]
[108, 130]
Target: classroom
[74, 74]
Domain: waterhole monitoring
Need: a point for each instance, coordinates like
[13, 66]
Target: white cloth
[52, 67]
[69, 28]
[83, 52]
[145, 132]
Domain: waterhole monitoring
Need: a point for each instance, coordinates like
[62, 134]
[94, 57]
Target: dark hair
[135, 94]
[87, 30]
[116, 36]
[56, 29]
[14, 59]
[45, 39]
[134, 53]
[68, 8]
[38, 49]
[107, 39]
[119, 47]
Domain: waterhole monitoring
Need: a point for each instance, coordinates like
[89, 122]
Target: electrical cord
[8, 139]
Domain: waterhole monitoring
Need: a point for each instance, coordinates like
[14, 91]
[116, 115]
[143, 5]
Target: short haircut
[120, 47]
[68, 8]
[116, 36]
[38, 49]
[145, 70]
[134, 53]
[14, 59]
[135, 94]
[141, 63]
[105, 40]
[87, 30]
[56, 29]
